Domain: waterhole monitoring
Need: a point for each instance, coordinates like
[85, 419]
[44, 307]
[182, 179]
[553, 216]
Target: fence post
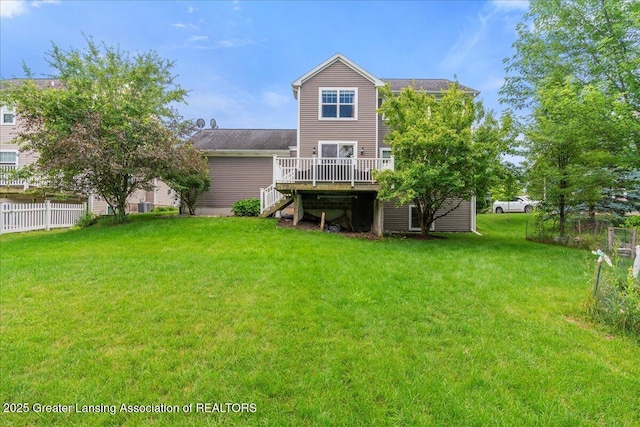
[2, 217]
[47, 215]
[610, 236]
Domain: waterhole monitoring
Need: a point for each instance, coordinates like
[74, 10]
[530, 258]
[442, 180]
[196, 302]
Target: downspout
[299, 91]
[377, 120]
[473, 216]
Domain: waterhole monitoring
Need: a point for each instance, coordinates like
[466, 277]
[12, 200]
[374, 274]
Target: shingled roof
[41, 83]
[429, 85]
[244, 139]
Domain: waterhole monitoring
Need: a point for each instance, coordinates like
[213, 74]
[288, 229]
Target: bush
[633, 222]
[246, 207]
[161, 209]
[87, 220]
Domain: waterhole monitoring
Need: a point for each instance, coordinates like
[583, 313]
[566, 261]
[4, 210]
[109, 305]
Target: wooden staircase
[280, 204]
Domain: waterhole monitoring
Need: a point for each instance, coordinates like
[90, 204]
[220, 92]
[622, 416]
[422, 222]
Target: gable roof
[244, 139]
[337, 57]
[429, 85]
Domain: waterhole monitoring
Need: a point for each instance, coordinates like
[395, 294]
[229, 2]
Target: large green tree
[569, 164]
[584, 55]
[445, 149]
[109, 128]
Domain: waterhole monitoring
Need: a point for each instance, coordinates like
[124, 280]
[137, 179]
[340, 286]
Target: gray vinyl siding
[362, 130]
[382, 131]
[397, 218]
[7, 134]
[457, 220]
[236, 178]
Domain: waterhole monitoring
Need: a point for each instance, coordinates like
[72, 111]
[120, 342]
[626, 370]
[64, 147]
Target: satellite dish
[213, 124]
[200, 123]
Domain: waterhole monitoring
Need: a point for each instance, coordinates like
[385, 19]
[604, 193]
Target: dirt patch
[314, 226]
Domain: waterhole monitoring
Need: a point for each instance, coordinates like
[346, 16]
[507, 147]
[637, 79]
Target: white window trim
[384, 149]
[433, 224]
[355, 103]
[17, 157]
[354, 143]
[2, 111]
[382, 115]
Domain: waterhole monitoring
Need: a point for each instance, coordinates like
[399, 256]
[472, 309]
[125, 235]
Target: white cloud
[466, 43]
[509, 5]
[274, 100]
[491, 83]
[496, 16]
[38, 3]
[235, 42]
[191, 9]
[179, 25]
[10, 8]
[198, 38]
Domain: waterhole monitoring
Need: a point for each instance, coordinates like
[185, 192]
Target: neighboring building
[240, 163]
[325, 166]
[12, 158]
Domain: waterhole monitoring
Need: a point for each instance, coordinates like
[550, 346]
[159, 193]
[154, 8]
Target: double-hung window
[338, 103]
[7, 116]
[8, 158]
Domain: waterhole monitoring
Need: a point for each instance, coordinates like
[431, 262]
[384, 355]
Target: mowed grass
[313, 329]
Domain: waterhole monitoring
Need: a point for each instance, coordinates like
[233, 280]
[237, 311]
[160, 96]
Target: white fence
[16, 217]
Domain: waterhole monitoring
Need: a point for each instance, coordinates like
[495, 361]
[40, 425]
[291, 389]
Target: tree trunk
[562, 216]
[121, 214]
[425, 222]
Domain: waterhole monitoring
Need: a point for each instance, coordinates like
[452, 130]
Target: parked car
[517, 204]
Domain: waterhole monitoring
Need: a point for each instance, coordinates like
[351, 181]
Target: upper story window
[8, 158]
[338, 103]
[7, 116]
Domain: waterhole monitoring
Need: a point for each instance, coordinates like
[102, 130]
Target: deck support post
[298, 211]
[378, 217]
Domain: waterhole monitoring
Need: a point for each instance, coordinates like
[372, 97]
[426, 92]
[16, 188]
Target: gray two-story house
[325, 165]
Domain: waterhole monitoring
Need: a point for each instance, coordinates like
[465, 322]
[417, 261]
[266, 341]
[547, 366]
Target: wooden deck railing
[314, 169]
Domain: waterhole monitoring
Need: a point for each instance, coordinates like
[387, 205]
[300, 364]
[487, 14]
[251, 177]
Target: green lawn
[309, 328]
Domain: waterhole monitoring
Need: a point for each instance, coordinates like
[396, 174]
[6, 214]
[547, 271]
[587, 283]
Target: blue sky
[238, 58]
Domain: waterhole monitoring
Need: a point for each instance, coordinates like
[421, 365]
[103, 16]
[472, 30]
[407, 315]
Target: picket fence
[16, 217]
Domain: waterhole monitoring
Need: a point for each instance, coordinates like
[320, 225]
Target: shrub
[633, 222]
[87, 220]
[246, 207]
[161, 209]
[617, 300]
